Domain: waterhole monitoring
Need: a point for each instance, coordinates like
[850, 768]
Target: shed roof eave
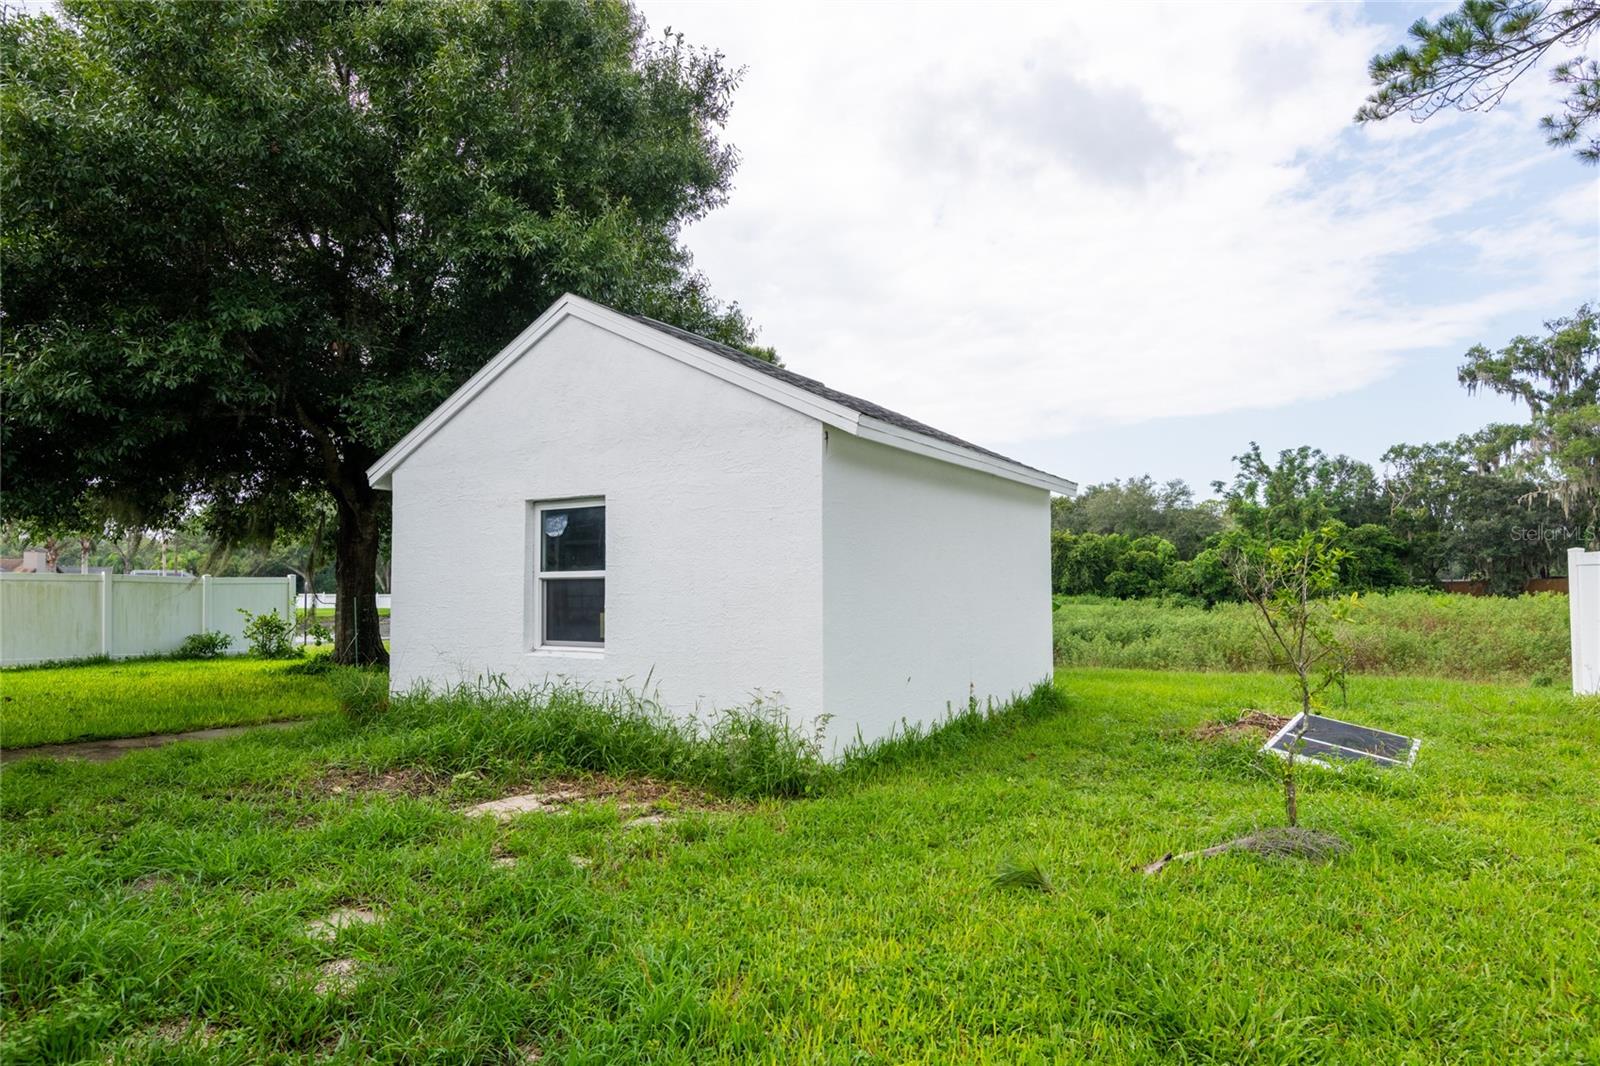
[825, 406]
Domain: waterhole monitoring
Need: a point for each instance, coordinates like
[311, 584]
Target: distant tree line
[1502, 505]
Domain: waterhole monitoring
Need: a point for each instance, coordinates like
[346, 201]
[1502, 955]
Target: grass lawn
[856, 926]
[48, 705]
[325, 615]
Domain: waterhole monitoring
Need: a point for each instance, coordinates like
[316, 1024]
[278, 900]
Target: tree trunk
[1290, 800]
[356, 638]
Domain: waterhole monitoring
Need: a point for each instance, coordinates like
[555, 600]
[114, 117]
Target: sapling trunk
[1291, 807]
[1291, 803]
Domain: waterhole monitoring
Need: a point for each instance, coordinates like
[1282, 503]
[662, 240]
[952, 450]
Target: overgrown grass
[747, 752]
[155, 909]
[500, 732]
[1420, 633]
[82, 701]
[325, 615]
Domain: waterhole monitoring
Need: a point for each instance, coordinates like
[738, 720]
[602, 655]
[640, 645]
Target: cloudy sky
[1124, 239]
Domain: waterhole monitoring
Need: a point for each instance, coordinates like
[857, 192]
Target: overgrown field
[1420, 633]
[161, 908]
[47, 705]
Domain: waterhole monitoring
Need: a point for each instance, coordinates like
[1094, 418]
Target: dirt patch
[1281, 842]
[1294, 842]
[647, 821]
[116, 747]
[640, 792]
[180, 1029]
[337, 976]
[561, 795]
[165, 1036]
[1251, 725]
[406, 781]
[329, 926]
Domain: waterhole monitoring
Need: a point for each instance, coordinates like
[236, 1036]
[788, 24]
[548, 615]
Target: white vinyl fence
[326, 599]
[79, 616]
[1583, 592]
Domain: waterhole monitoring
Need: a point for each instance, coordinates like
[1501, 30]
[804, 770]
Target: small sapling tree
[1293, 586]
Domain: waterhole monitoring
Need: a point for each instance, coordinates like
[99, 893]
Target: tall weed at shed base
[742, 751]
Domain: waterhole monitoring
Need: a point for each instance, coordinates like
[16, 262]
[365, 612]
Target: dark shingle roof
[817, 388]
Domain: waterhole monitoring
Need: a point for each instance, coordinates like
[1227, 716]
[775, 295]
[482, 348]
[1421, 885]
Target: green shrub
[1404, 632]
[203, 646]
[271, 636]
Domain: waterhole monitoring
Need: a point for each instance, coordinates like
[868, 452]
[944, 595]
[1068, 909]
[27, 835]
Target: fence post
[289, 603]
[1583, 569]
[105, 613]
[205, 603]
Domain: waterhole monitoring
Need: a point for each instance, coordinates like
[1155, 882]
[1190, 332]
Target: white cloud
[1019, 221]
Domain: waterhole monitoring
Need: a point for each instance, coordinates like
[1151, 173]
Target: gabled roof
[808, 396]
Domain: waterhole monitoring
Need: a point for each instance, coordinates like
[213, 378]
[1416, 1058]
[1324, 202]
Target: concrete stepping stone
[509, 807]
[329, 926]
[647, 820]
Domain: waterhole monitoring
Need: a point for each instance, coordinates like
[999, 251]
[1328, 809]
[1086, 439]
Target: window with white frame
[569, 574]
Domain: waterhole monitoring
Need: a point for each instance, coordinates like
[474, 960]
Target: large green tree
[1304, 489]
[1468, 58]
[1557, 377]
[247, 245]
[1463, 514]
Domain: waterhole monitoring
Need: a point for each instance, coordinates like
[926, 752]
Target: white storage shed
[660, 506]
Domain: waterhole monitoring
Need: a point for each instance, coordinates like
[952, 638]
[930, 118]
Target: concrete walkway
[106, 750]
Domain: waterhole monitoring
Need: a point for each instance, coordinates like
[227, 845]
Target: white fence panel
[50, 616]
[258, 595]
[150, 615]
[78, 616]
[1583, 589]
[327, 599]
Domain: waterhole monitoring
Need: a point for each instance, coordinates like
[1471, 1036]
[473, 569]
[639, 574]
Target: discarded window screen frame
[1328, 742]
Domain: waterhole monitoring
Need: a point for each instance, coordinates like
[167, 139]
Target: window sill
[558, 652]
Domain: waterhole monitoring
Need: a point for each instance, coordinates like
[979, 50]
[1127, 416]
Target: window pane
[575, 610]
[574, 538]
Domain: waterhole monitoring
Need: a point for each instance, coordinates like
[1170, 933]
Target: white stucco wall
[713, 518]
[936, 583]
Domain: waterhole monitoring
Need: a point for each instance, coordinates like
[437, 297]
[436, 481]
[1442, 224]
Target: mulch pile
[1252, 724]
